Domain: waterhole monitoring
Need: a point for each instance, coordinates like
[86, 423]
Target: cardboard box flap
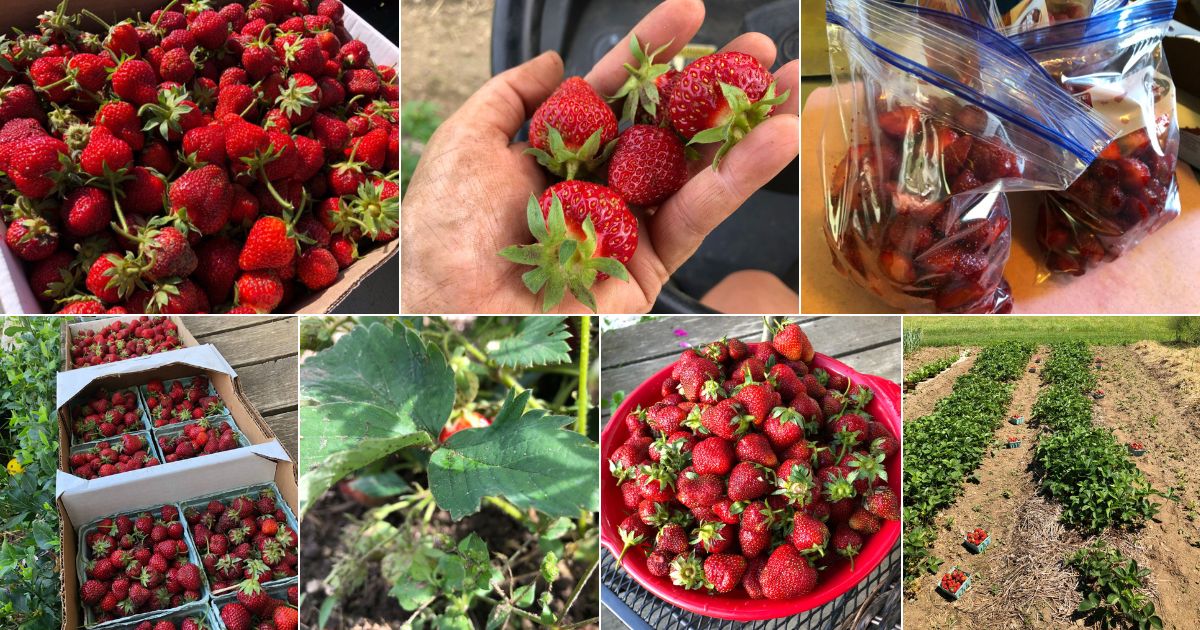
[86, 501]
[203, 358]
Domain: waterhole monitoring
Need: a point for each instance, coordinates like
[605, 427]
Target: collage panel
[570, 107]
[449, 472]
[1047, 472]
[751, 472]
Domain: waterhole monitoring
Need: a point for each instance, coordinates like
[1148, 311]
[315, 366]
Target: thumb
[508, 99]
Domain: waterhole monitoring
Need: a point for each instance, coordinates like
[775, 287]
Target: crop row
[927, 371]
[1083, 466]
[942, 448]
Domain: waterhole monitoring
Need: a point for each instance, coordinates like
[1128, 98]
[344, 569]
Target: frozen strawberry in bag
[1113, 63]
[938, 116]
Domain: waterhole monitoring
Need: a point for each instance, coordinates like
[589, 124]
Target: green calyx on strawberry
[584, 233]
[573, 132]
[640, 90]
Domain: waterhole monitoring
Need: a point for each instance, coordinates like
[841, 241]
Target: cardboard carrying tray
[72, 412]
[15, 294]
[69, 330]
[151, 447]
[80, 501]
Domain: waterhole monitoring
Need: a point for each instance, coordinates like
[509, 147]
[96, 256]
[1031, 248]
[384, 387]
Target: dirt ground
[1021, 581]
[446, 48]
[920, 401]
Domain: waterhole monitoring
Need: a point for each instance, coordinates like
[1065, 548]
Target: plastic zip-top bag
[1114, 63]
[1017, 16]
[937, 117]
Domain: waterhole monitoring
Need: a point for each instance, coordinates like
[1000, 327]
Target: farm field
[955, 331]
[1070, 508]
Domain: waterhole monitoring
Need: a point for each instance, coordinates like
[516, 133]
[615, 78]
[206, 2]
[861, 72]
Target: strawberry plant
[1114, 588]
[927, 371]
[29, 580]
[942, 448]
[1082, 466]
[464, 447]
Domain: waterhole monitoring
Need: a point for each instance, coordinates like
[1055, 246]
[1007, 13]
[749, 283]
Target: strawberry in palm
[720, 98]
[572, 132]
[585, 233]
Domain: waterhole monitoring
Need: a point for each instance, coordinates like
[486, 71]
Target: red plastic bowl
[835, 580]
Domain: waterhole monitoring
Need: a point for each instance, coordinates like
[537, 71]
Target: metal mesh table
[874, 603]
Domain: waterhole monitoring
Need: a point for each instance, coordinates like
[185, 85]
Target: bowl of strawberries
[750, 481]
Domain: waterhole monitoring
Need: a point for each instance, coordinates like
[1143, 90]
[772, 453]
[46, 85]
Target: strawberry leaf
[527, 457]
[538, 341]
[377, 390]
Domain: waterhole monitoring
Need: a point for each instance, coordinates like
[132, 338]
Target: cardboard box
[69, 331]
[15, 294]
[81, 502]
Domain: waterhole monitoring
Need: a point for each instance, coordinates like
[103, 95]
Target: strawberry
[791, 342]
[713, 456]
[702, 113]
[103, 278]
[34, 165]
[671, 539]
[882, 502]
[847, 543]
[19, 101]
[85, 211]
[49, 75]
[647, 90]
[754, 535]
[572, 132]
[260, 290]
[787, 574]
[204, 197]
[144, 192]
[658, 563]
[235, 616]
[747, 481]
[863, 521]
[176, 66]
[210, 29]
[31, 238]
[134, 80]
[286, 618]
[724, 571]
[633, 533]
[269, 245]
[758, 399]
[724, 420]
[647, 165]
[317, 268]
[169, 254]
[593, 216]
[808, 534]
[699, 490]
[105, 154]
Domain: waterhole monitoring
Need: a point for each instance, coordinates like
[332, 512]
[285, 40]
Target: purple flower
[679, 332]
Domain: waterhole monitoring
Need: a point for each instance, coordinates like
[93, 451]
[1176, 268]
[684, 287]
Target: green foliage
[373, 404]
[944, 447]
[418, 121]
[974, 331]
[1113, 589]
[1186, 329]
[29, 579]
[1083, 466]
[911, 339]
[928, 371]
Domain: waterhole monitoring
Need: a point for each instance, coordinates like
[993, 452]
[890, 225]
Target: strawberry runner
[938, 117]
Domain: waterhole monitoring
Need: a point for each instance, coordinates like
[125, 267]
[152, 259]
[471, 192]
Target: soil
[920, 401]
[1021, 580]
[446, 47]
[373, 608]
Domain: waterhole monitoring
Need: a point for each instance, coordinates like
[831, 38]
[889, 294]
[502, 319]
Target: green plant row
[1113, 589]
[1069, 365]
[1083, 466]
[29, 579]
[928, 371]
[944, 447]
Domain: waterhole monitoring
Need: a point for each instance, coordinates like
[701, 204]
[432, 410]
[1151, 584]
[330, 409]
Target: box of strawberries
[172, 157]
[180, 447]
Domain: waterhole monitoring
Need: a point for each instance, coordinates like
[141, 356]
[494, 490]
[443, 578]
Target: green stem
[501, 375]
[507, 508]
[581, 401]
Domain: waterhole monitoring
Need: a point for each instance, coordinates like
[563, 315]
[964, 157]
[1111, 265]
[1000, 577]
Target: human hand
[467, 199]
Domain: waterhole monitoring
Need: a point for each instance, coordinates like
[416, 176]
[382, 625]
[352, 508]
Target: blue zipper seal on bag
[1002, 45]
[1129, 19]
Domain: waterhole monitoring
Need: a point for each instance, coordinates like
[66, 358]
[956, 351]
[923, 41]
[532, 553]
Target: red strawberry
[188, 576]
[317, 268]
[671, 539]
[144, 192]
[847, 542]
[696, 490]
[583, 125]
[260, 290]
[754, 536]
[103, 278]
[747, 481]
[206, 197]
[882, 502]
[217, 267]
[724, 571]
[235, 616]
[34, 165]
[19, 101]
[863, 521]
[286, 618]
[758, 399]
[86, 211]
[134, 81]
[105, 153]
[169, 254]
[791, 342]
[809, 534]
[713, 456]
[269, 245]
[700, 111]
[647, 165]
[81, 306]
[210, 29]
[787, 574]
[49, 75]
[176, 66]
[754, 447]
[597, 257]
[31, 238]
[633, 533]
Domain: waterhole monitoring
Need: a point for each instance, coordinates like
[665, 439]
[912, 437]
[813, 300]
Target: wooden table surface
[628, 356]
[263, 351]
